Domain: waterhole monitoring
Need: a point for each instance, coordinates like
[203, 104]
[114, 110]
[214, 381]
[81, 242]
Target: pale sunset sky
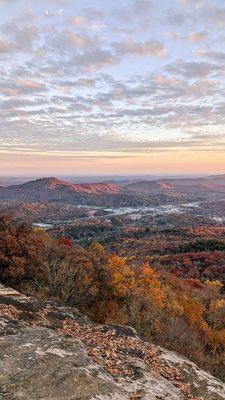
[112, 87]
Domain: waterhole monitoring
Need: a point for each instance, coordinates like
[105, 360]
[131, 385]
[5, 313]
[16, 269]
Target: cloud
[93, 12]
[141, 7]
[4, 2]
[5, 46]
[148, 48]
[78, 21]
[81, 82]
[78, 40]
[22, 31]
[25, 85]
[178, 18]
[195, 3]
[214, 15]
[135, 14]
[217, 56]
[13, 88]
[196, 36]
[90, 19]
[92, 60]
[193, 70]
[67, 41]
[16, 103]
[191, 37]
[84, 81]
[137, 9]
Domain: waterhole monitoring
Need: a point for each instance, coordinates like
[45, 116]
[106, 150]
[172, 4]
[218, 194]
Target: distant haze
[17, 180]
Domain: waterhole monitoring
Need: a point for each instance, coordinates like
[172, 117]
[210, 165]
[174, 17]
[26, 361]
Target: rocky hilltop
[51, 352]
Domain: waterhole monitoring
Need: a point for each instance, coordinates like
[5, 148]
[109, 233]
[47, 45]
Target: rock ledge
[51, 352]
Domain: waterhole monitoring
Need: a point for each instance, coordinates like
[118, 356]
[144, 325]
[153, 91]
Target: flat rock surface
[51, 352]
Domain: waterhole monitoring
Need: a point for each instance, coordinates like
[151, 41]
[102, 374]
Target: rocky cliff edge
[51, 352]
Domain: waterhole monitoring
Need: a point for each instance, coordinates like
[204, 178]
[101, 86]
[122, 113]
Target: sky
[104, 87]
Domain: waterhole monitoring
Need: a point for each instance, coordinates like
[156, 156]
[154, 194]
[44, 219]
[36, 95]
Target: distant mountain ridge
[53, 189]
[55, 184]
[214, 183]
[107, 193]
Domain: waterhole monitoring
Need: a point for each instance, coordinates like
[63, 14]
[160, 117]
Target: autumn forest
[169, 285]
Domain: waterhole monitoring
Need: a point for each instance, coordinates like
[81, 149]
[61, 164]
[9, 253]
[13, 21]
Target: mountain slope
[111, 194]
[218, 179]
[53, 352]
[53, 189]
[168, 186]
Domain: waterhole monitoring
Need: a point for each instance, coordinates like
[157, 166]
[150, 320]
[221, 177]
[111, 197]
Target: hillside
[149, 187]
[48, 187]
[110, 194]
[53, 352]
[168, 286]
[53, 189]
[188, 185]
[218, 179]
